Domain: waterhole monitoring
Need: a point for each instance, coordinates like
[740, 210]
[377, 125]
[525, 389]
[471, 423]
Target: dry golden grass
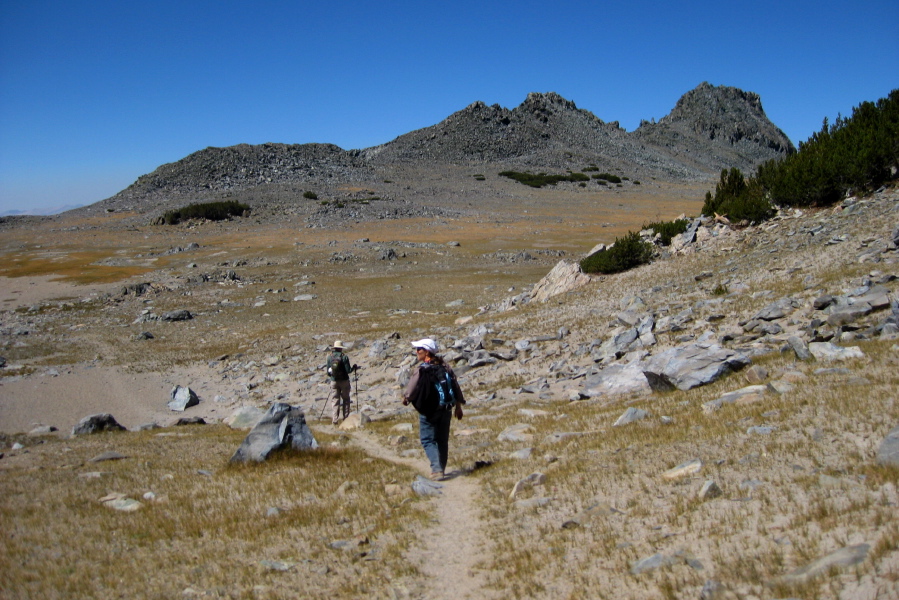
[208, 526]
[790, 497]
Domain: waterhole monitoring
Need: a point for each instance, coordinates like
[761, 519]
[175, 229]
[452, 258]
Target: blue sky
[94, 94]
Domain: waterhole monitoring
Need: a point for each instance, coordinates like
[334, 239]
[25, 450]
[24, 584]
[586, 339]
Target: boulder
[426, 487]
[828, 351]
[96, 423]
[849, 314]
[631, 415]
[878, 297]
[709, 490]
[842, 558]
[685, 469]
[742, 395]
[182, 398]
[618, 345]
[799, 347]
[176, 315]
[617, 379]
[888, 452]
[520, 432]
[356, 420]
[691, 366]
[564, 277]
[283, 426]
[777, 310]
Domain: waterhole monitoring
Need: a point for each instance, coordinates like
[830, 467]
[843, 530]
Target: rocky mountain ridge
[709, 129]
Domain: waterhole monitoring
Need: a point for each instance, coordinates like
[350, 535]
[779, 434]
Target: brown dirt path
[452, 552]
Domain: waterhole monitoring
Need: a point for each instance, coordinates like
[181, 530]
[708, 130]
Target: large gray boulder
[691, 366]
[564, 277]
[617, 379]
[283, 426]
[96, 424]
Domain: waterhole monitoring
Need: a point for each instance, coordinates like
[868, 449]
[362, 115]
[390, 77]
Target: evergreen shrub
[542, 179]
[668, 229]
[627, 252]
[211, 211]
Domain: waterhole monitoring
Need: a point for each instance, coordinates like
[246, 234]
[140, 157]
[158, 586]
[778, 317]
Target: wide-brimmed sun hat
[338, 345]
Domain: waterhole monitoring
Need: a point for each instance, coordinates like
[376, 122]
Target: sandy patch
[26, 291]
[81, 390]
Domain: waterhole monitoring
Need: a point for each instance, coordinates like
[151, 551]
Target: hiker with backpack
[435, 393]
[339, 370]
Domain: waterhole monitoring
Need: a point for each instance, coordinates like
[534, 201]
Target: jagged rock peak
[728, 113]
[547, 102]
[709, 100]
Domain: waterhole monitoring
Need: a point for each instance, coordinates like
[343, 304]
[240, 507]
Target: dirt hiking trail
[453, 551]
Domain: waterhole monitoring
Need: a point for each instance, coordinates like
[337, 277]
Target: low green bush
[211, 211]
[608, 177]
[542, 179]
[668, 229]
[310, 195]
[627, 252]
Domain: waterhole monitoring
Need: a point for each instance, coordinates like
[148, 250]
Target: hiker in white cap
[339, 370]
[435, 393]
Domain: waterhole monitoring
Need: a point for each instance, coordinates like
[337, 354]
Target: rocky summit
[709, 129]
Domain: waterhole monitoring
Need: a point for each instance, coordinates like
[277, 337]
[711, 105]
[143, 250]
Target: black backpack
[435, 389]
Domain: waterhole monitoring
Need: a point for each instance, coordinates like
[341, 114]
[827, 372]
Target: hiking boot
[436, 476]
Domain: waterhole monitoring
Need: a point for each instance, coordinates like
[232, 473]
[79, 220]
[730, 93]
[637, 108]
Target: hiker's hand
[405, 402]
[355, 367]
[459, 411]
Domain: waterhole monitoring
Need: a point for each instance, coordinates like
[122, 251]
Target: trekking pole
[356, 378]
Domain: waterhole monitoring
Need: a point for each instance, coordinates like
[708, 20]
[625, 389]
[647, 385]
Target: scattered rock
[356, 420]
[182, 398]
[709, 490]
[888, 451]
[520, 432]
[523, 454]
[527, 482]
[842, 558]
[631, 415]
[426, 487]
[108, 455]
[827, 351]
[96, 424]
[176, 315]
[120, 502]
[691, 467]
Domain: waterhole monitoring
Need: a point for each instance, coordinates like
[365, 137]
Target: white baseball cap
[426, 343]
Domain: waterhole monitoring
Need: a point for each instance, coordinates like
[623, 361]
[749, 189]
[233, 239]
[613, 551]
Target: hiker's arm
[410, 387]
